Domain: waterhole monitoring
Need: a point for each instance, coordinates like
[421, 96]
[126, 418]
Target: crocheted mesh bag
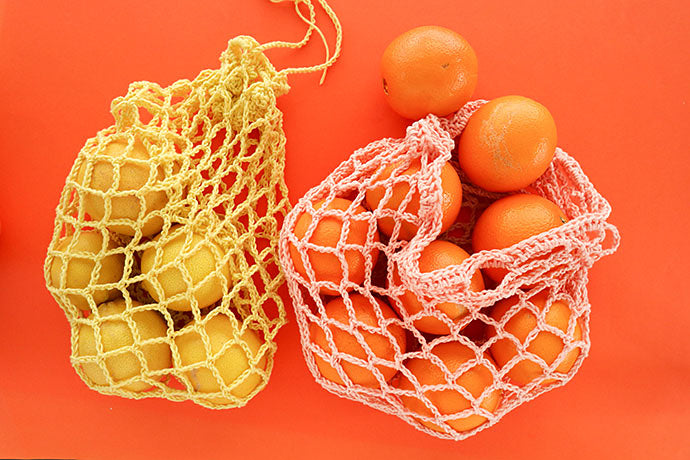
[164, 251]
[447, 402]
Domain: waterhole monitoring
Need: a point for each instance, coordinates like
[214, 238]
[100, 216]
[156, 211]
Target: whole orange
[346, 342]
[327, 266]
[475, 380]
[507, 144]
[451, 199]
[546, 345]
[438, 254]
[428, 69]
[511, 219]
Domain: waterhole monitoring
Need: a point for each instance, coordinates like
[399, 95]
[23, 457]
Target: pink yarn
[556, 261]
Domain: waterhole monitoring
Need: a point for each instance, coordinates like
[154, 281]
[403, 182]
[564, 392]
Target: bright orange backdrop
[614, 75]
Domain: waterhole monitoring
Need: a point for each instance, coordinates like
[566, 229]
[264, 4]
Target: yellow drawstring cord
[311, 22]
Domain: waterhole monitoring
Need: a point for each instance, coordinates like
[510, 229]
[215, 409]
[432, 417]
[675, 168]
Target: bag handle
[311, 22]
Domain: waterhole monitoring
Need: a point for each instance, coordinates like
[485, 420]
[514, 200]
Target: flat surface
[614, 75]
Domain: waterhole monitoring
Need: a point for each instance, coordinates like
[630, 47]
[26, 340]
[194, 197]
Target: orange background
[614, 75]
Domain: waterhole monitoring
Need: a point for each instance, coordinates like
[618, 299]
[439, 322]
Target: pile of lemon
[144, 290]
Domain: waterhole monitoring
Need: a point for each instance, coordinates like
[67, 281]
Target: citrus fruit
[326, 265]
[438, 254]
[115, 334]
[123, 183]
[546, 345]
[234, 364]
[428, 69]
[451, 199]
[179, 256]
[78, 255]
[507, 144]
[346, 342]
[511, 219]
[449, 401]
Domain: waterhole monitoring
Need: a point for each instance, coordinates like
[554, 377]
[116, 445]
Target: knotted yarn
[552, 266]
[164, 249]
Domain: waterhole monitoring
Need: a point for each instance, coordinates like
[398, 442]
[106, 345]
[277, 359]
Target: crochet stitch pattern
[173, 214]
[555, 262]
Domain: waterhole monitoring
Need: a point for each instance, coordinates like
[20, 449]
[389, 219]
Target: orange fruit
[546, 345]
[346, 342]
[507, 144]
[327, 266]
[451, 199]
[511, 219]
[475, 380]
[428, 69]
[438, 254]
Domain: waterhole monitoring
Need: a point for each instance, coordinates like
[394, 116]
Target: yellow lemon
[232, 364]
[135, 171]
[79, 268]
[182, 267]
[116, 334]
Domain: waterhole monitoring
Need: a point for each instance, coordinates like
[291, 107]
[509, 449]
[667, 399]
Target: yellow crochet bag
[164, 250]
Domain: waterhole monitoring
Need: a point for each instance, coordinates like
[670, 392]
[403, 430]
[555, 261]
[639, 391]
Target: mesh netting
[163, 255]
[164, 250]
[490, 361]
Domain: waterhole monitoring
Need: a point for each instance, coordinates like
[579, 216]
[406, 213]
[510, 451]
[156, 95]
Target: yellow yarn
[192, 175]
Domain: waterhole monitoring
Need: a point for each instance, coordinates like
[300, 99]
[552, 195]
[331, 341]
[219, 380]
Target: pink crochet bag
[555, 262]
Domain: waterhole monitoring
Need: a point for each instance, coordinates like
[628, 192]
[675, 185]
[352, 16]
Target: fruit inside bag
[164, 251]
[448, 350]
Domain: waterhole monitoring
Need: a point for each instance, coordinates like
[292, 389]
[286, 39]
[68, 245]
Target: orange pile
[507, 144]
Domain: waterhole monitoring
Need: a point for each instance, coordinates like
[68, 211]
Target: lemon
[202, 261]
[79, 269]
[134, 173]
[231, 364]
[116, 334]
